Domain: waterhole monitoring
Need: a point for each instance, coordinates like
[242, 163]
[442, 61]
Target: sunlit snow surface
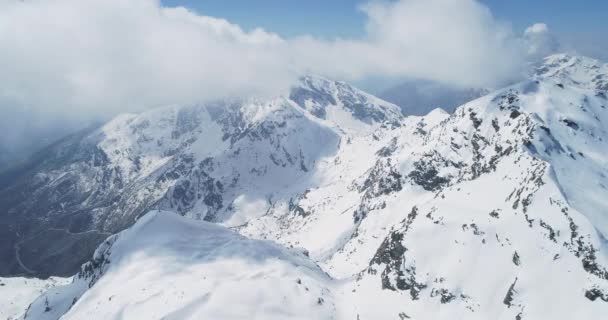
[494, 212]
[17, 293]
[171, 267]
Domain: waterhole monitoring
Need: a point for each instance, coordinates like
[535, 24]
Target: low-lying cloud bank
[89, 58]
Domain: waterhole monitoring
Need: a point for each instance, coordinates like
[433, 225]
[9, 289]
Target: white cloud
[539, 41]
[112, 54]
[453, 41]
[86, 58]
[536, 29]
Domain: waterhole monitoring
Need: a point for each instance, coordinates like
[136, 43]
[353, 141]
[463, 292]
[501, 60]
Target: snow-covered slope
[218, 162]
[497, 211]
[17, 293]
[171, 267]
[576, 71]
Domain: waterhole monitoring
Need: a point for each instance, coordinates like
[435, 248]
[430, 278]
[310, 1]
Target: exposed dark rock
[390, 250]
[446, 295]
[589, 260]
[295, 208]
[476, 121]
[403, 316]
[552, 234]
[397, 274]
[516, 259]
[508, 101]
[474, 227]
[425, 174]
[495, 125]
[570, 124]
[508, 300]
[383, 179]
[389, 149]
[595, 293]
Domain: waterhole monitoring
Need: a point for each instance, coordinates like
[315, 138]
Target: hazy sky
[580, 24]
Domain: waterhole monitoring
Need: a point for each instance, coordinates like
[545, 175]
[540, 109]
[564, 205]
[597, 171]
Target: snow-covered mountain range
[499, 210]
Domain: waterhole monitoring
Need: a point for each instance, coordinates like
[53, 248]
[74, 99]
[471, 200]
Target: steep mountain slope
[497, 211]
[475, 214]
[218, 162]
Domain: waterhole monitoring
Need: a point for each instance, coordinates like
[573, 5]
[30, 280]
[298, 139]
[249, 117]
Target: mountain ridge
[473, 214]
[89, 181]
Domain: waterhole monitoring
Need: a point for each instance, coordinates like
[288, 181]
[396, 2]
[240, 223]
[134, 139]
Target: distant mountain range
[495, 211]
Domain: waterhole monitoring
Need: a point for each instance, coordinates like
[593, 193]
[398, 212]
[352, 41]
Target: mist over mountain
[158, 161]
[19, 146]
[419, 97]
[85, 69]
[369, 213]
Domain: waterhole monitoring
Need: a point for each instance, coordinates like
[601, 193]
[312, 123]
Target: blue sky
[580, 24]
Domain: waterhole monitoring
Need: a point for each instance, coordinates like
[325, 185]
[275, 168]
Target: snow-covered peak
[139, 144]
[177, 268]
[577, 71]
[473, 214]
[343, 105]
[563, 125]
